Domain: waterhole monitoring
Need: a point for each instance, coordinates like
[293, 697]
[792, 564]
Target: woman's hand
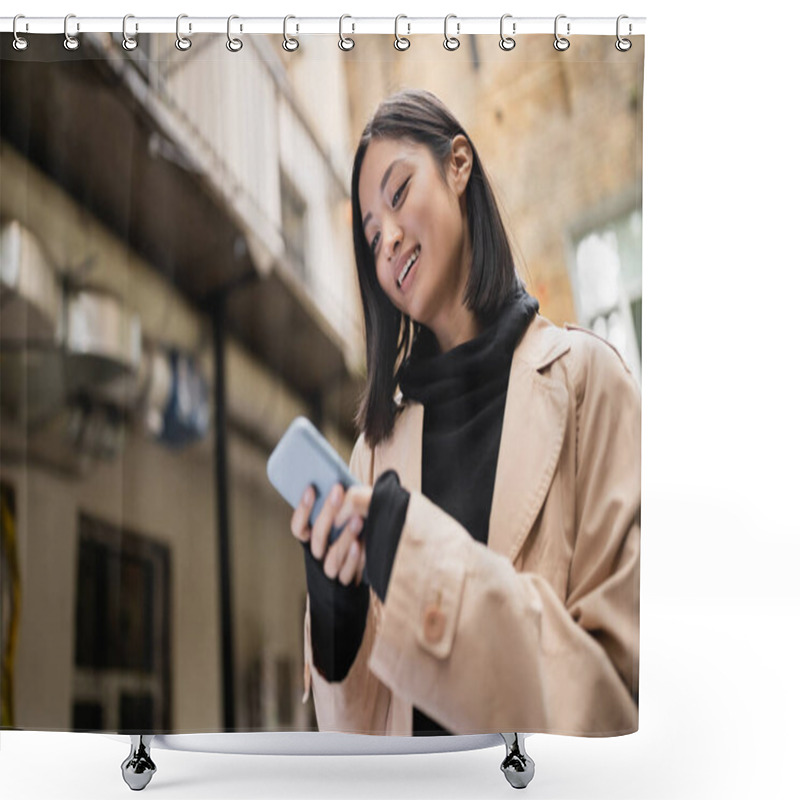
[345, 558]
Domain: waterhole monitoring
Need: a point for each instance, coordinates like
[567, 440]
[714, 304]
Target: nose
[392, 240]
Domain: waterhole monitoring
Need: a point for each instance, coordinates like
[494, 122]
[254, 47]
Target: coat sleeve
[360, 702]
[480, 646]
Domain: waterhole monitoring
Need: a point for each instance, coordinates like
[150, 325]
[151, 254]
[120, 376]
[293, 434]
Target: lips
[405, 264]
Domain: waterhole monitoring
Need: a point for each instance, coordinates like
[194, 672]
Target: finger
[299, 525]
[322, 526]
[360, 498]
[356, 501]
[362, 562]
[337, 552]
[350, 567]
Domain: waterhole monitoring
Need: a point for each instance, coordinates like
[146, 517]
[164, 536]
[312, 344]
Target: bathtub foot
[517, 766]
[138, 768]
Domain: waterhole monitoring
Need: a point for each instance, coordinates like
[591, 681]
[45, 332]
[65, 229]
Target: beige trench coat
[538, 630]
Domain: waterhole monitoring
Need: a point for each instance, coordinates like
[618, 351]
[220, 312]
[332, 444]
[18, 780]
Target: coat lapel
[534, 422]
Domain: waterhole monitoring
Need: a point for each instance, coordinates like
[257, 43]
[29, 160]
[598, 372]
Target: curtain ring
[345, 43]
[623, 45]
[19, 42]
[506, 42]
[290, 44]
[70, 42]
[128, 42]
[451, 42]
[233, 44]
[400, 42]
[183, 43]
[561, 44]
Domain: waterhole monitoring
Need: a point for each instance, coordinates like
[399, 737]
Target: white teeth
[410, 263]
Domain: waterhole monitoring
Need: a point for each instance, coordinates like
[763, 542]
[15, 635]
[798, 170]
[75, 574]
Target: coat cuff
[338, 619]
[382, 529]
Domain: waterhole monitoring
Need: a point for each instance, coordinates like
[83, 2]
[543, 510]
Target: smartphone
[303, 457]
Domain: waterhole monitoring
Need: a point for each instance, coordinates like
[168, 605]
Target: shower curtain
[184, 274]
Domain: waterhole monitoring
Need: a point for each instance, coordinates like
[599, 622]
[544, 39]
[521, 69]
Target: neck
[455, 323]
[461, 326]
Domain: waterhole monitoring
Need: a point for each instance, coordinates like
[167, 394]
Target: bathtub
[139, 767]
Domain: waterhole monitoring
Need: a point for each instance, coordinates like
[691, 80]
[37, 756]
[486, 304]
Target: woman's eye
[399, 192]
[374, 244]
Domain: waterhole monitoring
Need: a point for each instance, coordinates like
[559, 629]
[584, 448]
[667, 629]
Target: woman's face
[415, 224]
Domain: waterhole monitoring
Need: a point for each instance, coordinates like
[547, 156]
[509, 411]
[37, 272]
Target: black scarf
[464, 393]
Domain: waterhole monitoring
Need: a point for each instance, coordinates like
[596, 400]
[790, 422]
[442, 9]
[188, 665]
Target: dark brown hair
[419, 116]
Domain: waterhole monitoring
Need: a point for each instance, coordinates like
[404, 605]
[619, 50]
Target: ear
[460, 167]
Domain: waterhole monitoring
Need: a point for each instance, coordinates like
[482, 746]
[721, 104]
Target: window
[121, 632]
[607, 283]
[293, 221]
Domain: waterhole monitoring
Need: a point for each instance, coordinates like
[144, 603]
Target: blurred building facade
[167, 201]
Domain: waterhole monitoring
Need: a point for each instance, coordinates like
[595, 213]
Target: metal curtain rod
[593, 26]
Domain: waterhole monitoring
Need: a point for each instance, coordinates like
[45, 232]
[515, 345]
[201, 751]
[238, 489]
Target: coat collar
[534, 423]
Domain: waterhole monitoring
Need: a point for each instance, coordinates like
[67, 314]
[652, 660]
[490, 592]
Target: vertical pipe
[221, 460]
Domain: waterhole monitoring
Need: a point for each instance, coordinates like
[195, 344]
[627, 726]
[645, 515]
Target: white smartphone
[304, 457]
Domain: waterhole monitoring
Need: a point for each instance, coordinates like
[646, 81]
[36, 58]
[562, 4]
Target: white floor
[718, 719]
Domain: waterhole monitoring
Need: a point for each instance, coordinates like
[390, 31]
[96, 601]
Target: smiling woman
[493, 584]
[418, 182]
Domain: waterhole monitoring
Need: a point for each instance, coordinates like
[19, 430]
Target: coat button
[434, 624]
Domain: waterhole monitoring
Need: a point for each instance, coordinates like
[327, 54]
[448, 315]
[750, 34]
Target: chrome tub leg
[138, 768]
[517, 766]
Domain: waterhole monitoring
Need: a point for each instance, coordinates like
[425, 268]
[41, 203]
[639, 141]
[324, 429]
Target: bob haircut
[419, 116]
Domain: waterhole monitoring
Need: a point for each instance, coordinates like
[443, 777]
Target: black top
[464, 393]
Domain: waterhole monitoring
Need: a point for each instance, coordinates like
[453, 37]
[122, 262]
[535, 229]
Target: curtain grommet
[71, 43]
[507, 42]
[451, 43]
[182, 43]
[129, 42]
[346, 43]
[20, 42]
[623, 45]
[290, 43]
[560, 43]
[401, 43]
[233, 44]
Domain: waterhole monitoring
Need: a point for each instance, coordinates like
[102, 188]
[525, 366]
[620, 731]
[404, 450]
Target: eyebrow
[384, 181]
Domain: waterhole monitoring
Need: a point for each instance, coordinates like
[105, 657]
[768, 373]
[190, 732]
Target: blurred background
[178, 284]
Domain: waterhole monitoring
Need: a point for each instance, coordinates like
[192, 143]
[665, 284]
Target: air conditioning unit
[59, 346]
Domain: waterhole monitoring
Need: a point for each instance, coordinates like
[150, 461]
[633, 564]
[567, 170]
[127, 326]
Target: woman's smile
[408, 270]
